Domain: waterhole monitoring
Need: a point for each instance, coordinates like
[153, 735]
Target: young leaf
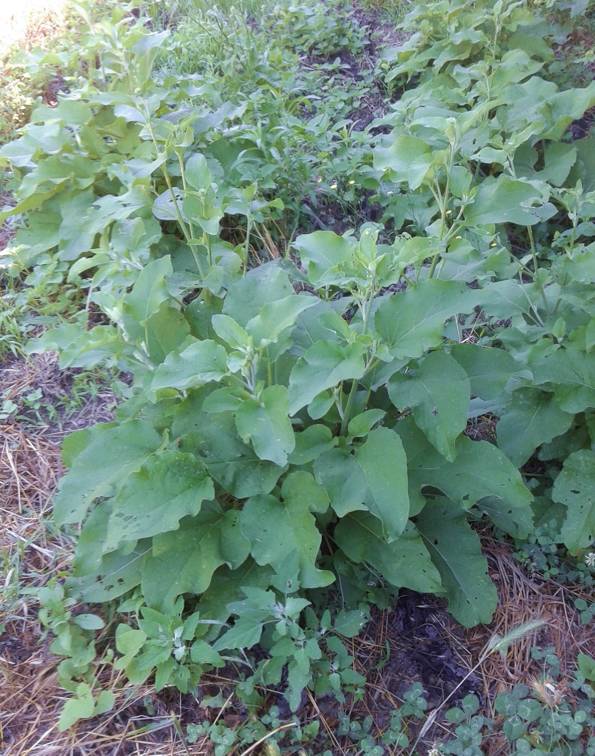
[362, 424]
[266, 424]
[226, 587]
[80, 706]
[88, 621]
[202, 653]
[129, 642]
[323, 366]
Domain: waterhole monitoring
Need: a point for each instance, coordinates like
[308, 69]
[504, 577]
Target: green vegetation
[316, 308]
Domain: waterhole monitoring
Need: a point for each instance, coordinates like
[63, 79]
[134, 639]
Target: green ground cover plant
[295, 442]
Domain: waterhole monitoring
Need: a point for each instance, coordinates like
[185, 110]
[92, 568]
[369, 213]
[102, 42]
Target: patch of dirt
[41, 372]
[380, 36]
[582, 127]
[426, 646]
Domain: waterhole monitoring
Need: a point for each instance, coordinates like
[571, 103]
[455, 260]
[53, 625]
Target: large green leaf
[413, 322]
[114, 575]
[111, 453]
[456, 551]
[575, 488]
[147, 295]
[276, 317]
[263, 285]
[226, 587]
[323, 366]
[404, 562]
[532, 419]
[197, 364]
[311, 443]
[384, 464]
[488, 369]
[266, 424]
[284, 535]
[480, 472]
[197, 172]
[323, 253]
[408, 157]
[184, 560]
[165, 331]
[233, 464]
[169, 486]
[439, 393]
[323, 322]
[571, 372]
[301, 489]
[508, 200]
[338, 471]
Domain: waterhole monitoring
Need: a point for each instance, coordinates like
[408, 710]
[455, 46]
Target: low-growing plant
[268, 451]
[297, 426]
[543, 718]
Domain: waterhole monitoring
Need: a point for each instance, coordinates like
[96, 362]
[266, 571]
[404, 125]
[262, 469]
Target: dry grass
[523, 598]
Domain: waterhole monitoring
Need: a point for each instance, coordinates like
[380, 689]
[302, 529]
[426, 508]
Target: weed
[298, 429]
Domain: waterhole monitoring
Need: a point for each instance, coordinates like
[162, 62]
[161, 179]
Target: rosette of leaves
[286, 435]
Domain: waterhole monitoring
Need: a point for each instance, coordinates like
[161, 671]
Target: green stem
[348, 407]
[365, 310]
[247, 244]
[535, 266]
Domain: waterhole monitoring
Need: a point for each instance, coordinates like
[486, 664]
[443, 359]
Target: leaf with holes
[111, 453]
[171, 485]
[575, 489]
[439, 393]
[456, 551]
